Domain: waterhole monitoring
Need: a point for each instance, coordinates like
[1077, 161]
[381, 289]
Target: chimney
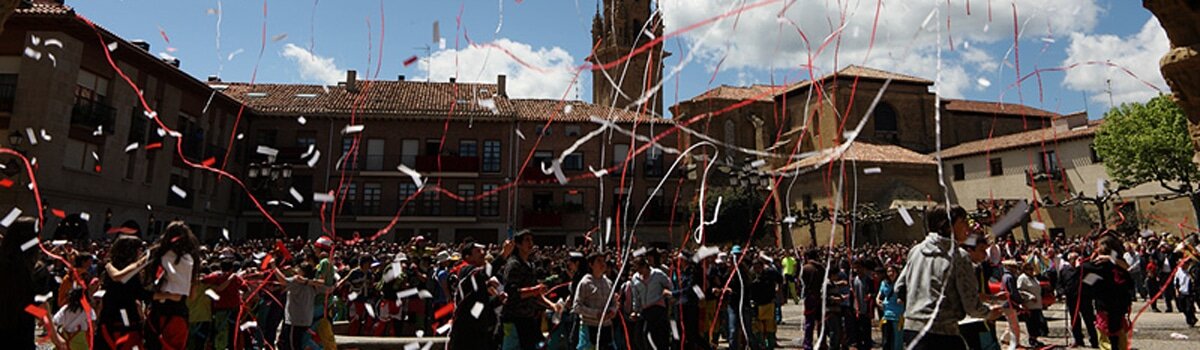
[400, 78]
[501, 85]
[214, 79]
[452, 79]
[142, 44]
[352, 80]
[1070, 121]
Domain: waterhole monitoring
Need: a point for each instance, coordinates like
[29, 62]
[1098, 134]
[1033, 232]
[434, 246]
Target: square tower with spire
[626, 68]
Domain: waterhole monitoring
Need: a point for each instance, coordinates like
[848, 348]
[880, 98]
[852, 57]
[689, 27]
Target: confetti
[53, 60]
[699, 292]
[234, 53]
[112, 46]
[929, 18]
[35, 39]
[409, 61]
[874, 170]
[983, 82]
[85, 216]
[240, 136]
[352, 129]
[213, 295]
[29, 244]
[520, 134]
[412, 346]
[322, 198]
[908, 220]
[1091, 279]
[789, 220]
[248, 325]
[424, 294]
[267, 151]
[1037, 225]
[476, 309]
[12, 216]
[1048, 40]
[370, 310]
[37, 311]
[316, 157]
[416, 177]
[208, 163]
[154, 146]
[150, 114]
[301, 120]
[31, 137]
[568, 108]
[674, 330]
[98, 294]
[124, 318]
[225, 233]
[45, 135]
[179, 192]
[53, 42]
[34, 54]
[420, 333]
[95, 156]
[296, 194]
[6, 183]
[352, 296]
[42, 298]
[429, 344]
[406, 293]
[161, 132]
[58, 213]
[758, 163]
[278, 37]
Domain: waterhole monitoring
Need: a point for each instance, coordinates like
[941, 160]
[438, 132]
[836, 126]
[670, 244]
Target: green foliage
[1147, 142]
[739, 209]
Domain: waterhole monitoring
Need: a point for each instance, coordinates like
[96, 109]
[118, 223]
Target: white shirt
[178, 275]
[71, 321]
[1183, 281]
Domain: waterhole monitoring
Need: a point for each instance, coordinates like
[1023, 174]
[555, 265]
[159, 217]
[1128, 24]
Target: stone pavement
[1153, 331]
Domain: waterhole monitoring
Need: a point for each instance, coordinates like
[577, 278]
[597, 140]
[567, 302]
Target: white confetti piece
[38, 299]
[370, 310]
[568, 108]
[699, 293]
[179, 191]
[520, 134]
[1048, 40]
[296, 194]
[1091, 279]
[99, 294]
[309, 152]
[124, 318]
[60, 242]
[149, 207]
[352, 129]
[278, 37]
[674, 330]
[908, 220]
[406, 293]
[353, 296]
[132, 147]
[983, 82]
[161, 132]
[639, 252]
[598, 173]
[31, 137]
[34, 54]
[53, 60]
[315, 157]
[85, 216]
[95, 156]
[248, 325]
[45, 135]
[487, 270]
[32, 162]
[301, 120]
[929, 18]
[267, 151]
[476, 309]
[1178, 336]
[424, 294]
[322, 197]
[1037, 225]
[241, 136]
[234, 53]
[412, 346]
[1101, 187]
[416, 177]
[99, 130]
[874, 170]
[34, 39]
[789, 220]
[225, 233]
[12, 216]
[150, 114]
[29, 244]
[170, 267]
[420, 333]
[54, 42]
[213, 295]
[758, 163]
[429, 345]
[112, 46]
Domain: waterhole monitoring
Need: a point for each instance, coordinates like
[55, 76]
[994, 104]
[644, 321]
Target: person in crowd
[176, 254]
[765, 282]
[594, 304]
[119, 325]
[72, 321]
[200, 313]
[812, 277]
[1080, 312]
[227, 284]
[790, 268]
[652, 291]
[302, 288]
[1031, 302]
[1183, 287]
[1012, 305]
[1108, 284]
[16, 272]
[939, 275]
[860, 316]
[689, 296]
[520, 318]
[887, 299]
[477, 295]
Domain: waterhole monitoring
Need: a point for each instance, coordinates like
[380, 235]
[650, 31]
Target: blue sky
[316, 41]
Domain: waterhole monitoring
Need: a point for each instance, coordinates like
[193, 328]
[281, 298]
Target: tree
[739, 209]
[1149, 143]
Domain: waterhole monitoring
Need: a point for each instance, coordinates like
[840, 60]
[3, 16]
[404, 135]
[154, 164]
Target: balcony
[449, 164]
[1039, 176]
[541, 218]
[93, 114]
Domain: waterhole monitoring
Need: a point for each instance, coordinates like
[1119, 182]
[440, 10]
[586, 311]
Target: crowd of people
[950, 289]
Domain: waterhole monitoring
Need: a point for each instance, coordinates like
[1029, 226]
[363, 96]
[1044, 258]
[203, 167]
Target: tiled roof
[868, 153]
[863, 72]
[762, 93]
[392, 98]
[987, 107]
[576, 111]
[1018, 140]
[44, 9]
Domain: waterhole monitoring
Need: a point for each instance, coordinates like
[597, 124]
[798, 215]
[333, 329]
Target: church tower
[619, 28]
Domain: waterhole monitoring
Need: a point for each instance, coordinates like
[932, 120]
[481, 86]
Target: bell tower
[619, 28]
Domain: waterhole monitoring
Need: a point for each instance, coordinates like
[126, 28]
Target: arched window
[885, 118]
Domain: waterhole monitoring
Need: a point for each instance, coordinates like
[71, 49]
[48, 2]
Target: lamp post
[1100, 200]
[266, 178]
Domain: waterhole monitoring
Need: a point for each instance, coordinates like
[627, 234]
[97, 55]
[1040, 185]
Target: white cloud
[765, 38]
[546, 72]
[313, 67]
[1138, 52]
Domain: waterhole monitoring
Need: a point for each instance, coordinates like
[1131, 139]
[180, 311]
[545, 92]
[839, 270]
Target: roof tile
[988, 107]
[1011, 141]
[400, 98]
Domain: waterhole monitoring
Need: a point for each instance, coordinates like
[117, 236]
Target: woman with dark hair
[119, 325]
[1110, 288]
[16, 273]
[176, 253]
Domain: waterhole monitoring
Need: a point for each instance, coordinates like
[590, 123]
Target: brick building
[56, 81]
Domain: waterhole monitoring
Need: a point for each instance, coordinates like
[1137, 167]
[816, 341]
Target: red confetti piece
[154, 146]
[209, 162]
[443, 312]
[287, 255]
[59, 213]
[121, 230]
[6, 183]
[266, 262]
[36, 311]
[410, 60]
[98, 168]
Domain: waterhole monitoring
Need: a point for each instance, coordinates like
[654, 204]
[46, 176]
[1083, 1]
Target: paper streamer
[322, 198]
[416, 177]
[316, 157]
[11, 217]
[29, 244]
[296, 194]
[908, 220]
[212, 295]
[352, 129]
[179, 191]
[248, 325]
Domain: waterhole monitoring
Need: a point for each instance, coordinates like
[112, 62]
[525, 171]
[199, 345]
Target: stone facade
[619, 29]
[1181, 65]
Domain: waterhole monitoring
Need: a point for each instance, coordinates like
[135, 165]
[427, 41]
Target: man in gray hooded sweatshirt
[938, 284]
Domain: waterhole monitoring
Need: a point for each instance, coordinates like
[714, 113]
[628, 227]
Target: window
[82, 156]
[490, 205]
[1095, 155]
[1047, 162]
[347, 162]
[656, 208]
[305, 138]
[151, 158]
[372, 193]
[543, 201]
[350, 201]
[375, 154]
[573, 200]
[542, 157]
[90, 87]
[406, 191]
[432, 146]
[885, 118]
[431, 203]
[620, 151]
[408, 152]
[654, 162]
[466, 207]
[959, 173]
[8, 92]
[996, 166]
[543, 130]
[468, 148]
[491, 156]
[137, 134]
[573, 161]
[571, 130]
